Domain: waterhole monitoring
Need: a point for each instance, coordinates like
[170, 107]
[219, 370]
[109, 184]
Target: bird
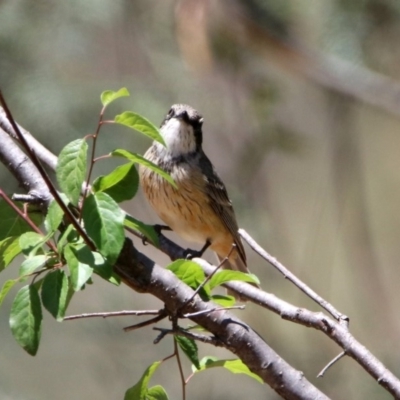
[198, 209]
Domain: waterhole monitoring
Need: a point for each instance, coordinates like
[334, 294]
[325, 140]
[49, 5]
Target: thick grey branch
[44, 155]
[143, 275]
[22, 168]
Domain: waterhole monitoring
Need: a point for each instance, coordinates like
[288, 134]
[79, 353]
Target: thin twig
[146, 323]
[178, 360]
[26, 218]
[190, 335]
[292, 278]
[112, 314]
[89, 175]
[336, 359]
[196, 314]
[224, 260]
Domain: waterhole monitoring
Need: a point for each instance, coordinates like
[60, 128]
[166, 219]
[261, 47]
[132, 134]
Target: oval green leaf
[30, 242]
[143, 161]
[121, 184]
[80, 261]
[139, 391]
[156, 392]
[108, 96]
[235, 366]
[189, 347]
[188, 271]
[228, 275]
[26, 319]
[147, 230]
[32, 263]
[12, 224]
[6, 288]
[55, 293]
[104, 223]
[71, 169]
[141, 124]
[9, 249]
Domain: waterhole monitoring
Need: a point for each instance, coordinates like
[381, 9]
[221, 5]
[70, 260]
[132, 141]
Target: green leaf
[104, 269]
[189, 347]
[141, 124]
[12, 224]
[31, 242]
[80, 261]
[9, 249]
[6, 288]
[139, 391]
[55, 215]
[121, 184]
[108, 96]
[32, 263]
[235, 366]
[228, 275]
[26, 319]
[71, 169]
[104, 221]
[147, 230]
[136, 158]
[68, 236]
[188, 272]
[156, 393]
[224, 301]
[55, 293]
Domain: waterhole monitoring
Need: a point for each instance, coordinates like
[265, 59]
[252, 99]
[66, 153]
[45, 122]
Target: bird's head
[182, 130]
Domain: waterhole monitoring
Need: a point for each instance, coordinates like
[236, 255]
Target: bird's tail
[235, 264]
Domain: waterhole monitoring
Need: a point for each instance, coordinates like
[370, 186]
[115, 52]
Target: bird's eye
[170, 113]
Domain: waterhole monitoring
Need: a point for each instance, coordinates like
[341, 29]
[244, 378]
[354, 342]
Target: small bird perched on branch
[199, 209]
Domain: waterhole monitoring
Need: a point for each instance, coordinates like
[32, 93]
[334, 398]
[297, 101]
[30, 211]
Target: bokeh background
[301, 107]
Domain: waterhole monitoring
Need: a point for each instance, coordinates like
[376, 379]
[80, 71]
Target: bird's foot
[189, 253]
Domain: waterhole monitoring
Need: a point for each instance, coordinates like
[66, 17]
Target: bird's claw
[189, 254]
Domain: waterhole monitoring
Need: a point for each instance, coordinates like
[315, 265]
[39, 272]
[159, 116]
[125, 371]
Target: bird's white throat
[179, 137]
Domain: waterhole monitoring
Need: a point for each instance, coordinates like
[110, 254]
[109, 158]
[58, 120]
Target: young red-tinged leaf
[31, 242]
[156, 393]
[141, 124]
[224, 301]
[140, 390]
[147, 230]
[121, 184]
[26, 319]
[228, 275]
[55, 293]
[6, 288]
[235, 366]
[104, 269]
[189, 347]
[108, 96]
[138, 159]
[9, 249]
[104, 223]
[80, 261]
[30, 264]
[71, 169]
[12, 224]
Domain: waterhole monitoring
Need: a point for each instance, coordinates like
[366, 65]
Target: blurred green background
[300, 100]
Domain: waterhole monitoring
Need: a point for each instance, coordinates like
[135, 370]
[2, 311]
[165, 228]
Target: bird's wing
[220, 202]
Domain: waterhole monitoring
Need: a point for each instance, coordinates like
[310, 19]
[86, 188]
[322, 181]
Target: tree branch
[143, 275]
